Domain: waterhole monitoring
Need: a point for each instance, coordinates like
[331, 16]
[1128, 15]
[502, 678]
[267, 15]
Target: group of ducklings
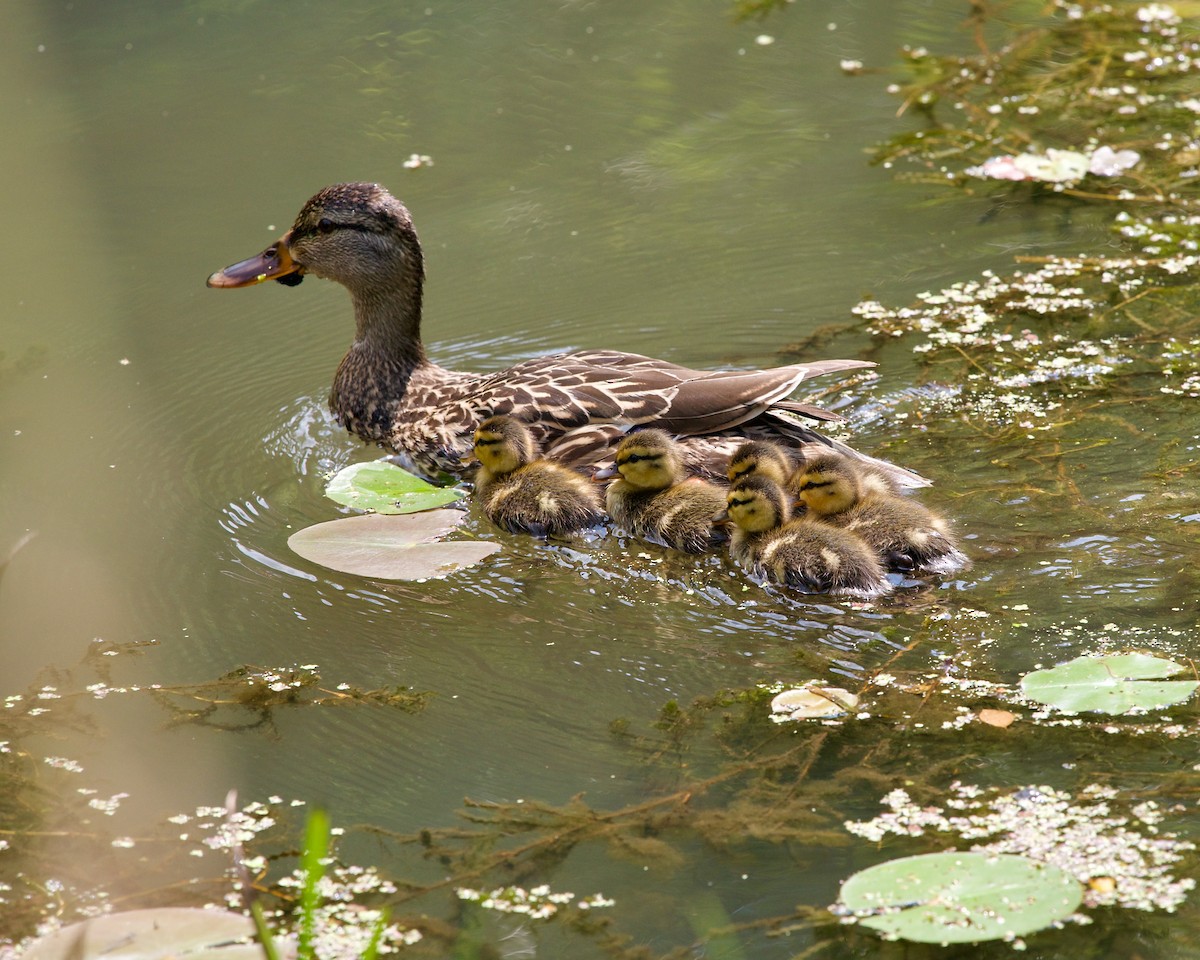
[824, 523]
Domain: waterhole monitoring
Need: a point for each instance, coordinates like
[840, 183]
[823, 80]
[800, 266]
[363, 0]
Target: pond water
[643, 176]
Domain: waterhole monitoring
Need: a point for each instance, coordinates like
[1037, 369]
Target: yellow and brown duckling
[525, 494]
[800, 553]
[653, 499]
[905, 535]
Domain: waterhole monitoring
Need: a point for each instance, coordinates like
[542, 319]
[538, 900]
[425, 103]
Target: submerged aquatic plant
[1096, 101]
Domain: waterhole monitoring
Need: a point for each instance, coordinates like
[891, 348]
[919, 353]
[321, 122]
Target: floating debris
[812, 702]
[1057, 166]
[537, 903]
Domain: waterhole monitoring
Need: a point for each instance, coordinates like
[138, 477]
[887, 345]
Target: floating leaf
[807, 703]
[960, 897]
[156, 934]
[383, 487]
[389, 547]
[996, 718]
[1112, 684]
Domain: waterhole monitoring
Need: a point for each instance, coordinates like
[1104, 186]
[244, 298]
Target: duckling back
[813, 556]
[906, 535]
[682, 517]
[652, 499]
[525, 494]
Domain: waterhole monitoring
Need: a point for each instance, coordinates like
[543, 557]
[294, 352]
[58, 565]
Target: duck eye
[325, 225]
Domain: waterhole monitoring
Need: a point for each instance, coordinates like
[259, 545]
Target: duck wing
[579, 405]
[568, 391]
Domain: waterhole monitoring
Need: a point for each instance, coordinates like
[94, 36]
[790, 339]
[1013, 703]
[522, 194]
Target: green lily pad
[960, 897]
[391, 547]
[383, 487]
[157, 934]
[1113, 684]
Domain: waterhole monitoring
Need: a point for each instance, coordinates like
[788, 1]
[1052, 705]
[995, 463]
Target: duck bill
[606, 473]
[274, 263]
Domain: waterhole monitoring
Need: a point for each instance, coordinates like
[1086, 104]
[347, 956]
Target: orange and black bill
[274, 263]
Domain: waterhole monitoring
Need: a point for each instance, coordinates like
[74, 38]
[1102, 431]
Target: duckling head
[649, 460]
[758, 504]
[502, 444]
[759, 458]
[829, 484]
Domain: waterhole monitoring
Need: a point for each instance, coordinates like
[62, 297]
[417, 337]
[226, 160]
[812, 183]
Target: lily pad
[151, 935]
[960, 897]
[1113, 684]
[383, 487]
[808, 703]
[391, 547]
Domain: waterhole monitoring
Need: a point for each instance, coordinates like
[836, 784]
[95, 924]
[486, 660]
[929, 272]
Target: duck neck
[387, 320]
[373, 377]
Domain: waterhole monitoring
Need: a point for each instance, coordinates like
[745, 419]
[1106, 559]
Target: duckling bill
[525, 494]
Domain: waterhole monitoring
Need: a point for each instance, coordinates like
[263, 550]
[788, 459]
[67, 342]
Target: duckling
[525, 494]
[653, 499]
[798, 553]
[905, 535]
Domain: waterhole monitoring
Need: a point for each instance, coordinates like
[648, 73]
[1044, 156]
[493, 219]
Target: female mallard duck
[798, 553]
[653, 499]
[524, 494]
[578, 404]
[905, 534]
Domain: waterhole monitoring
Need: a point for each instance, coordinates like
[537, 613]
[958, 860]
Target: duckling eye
[325, 225]
[813, 484]
[486, 441]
